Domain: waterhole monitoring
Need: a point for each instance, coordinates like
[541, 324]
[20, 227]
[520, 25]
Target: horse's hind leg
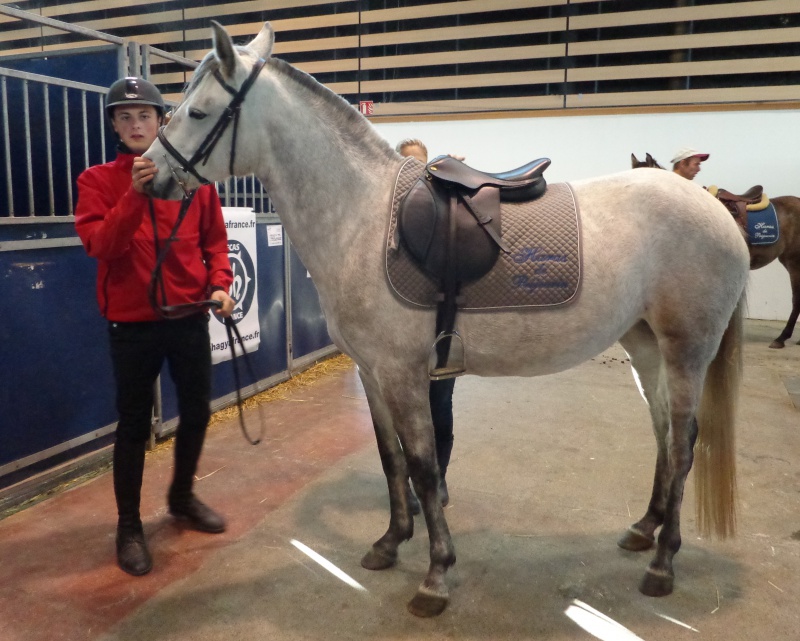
[793, 267]
[383, 553]
[642, 348]
[686, 366]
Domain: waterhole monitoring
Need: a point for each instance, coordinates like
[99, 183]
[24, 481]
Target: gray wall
[746, 147]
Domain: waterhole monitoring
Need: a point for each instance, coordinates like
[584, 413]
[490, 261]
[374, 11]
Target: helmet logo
[131, 95]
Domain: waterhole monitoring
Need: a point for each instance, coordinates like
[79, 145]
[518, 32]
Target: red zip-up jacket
[114, 223]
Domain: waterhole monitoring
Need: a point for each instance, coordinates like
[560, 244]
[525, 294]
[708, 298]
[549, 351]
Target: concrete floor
[546, 474]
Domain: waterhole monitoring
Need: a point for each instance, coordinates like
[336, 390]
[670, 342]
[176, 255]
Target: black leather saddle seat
[517, 185]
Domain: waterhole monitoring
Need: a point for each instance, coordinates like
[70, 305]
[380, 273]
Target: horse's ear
[634, 161]
[223, 48]
[262, 44]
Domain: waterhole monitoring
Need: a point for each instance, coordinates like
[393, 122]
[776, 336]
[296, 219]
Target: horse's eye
[196, 114]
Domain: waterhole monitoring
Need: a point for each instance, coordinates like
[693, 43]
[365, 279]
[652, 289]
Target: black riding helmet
[133, 91]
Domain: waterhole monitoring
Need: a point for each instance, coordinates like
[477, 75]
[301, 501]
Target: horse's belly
[537, 342]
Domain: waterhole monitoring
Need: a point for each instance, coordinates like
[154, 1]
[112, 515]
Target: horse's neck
[330, 188]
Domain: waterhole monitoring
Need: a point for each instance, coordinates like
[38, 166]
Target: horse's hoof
[635, 541]
[776, 344]
[656, 583]
[376, 560]
[427, 603]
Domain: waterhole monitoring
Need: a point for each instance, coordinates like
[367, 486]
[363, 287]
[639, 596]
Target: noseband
[231, 114]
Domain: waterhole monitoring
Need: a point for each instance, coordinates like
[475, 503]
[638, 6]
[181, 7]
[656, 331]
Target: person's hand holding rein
[227, 303]
[142, 173]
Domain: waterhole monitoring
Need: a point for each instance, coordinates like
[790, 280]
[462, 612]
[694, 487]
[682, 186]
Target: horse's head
[649, 161]
[199, 145]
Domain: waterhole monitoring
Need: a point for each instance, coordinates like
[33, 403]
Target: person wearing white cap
[687, 161]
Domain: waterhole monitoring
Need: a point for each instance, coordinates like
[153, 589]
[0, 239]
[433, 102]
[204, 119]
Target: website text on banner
[241, 225]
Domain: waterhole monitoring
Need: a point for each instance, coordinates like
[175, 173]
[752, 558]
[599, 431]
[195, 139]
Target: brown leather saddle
[754, 199]
[450, 222]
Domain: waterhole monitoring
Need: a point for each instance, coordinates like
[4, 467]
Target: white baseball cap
[688, 152]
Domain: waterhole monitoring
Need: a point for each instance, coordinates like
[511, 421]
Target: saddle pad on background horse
[762, 226]
[543, 268]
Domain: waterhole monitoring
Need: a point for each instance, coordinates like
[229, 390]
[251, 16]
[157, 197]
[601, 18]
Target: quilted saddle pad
[543, 268]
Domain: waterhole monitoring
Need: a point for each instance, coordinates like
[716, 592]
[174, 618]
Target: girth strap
[448, 305]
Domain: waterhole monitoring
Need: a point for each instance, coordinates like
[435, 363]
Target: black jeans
[138, 352]
[441, 399]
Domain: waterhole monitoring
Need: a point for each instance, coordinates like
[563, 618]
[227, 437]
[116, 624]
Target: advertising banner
[241, 225]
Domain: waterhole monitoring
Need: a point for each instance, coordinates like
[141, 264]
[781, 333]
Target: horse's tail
[714, 452]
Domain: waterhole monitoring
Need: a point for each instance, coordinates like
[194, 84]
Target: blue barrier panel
[98, 68]
[56, 380]
[90, 65]
[309, 328]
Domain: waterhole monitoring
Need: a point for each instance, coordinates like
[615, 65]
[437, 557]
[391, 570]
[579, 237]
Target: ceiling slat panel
[686, 14]
[673, 70]
[470, 55]
[687, 96]
[694, 41]
[462, 81]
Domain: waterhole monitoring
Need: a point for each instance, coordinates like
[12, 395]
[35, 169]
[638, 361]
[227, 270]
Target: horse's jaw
[164, 189]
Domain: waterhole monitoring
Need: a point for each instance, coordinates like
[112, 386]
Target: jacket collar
[124, 161]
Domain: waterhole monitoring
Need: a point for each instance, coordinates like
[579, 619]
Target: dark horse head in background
[648, 161]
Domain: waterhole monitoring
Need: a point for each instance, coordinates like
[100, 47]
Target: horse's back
[658, 218]
[674, 243]
[654, 247]
[660, 199]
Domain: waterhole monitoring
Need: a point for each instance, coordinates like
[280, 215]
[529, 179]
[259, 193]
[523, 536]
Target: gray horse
[664, 272]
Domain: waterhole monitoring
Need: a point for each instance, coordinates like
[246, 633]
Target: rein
[203, 153]
[182, 310]
[231, 114]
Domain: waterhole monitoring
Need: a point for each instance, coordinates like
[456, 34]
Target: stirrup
[456, 364]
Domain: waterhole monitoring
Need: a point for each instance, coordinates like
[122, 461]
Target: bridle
[231, 114]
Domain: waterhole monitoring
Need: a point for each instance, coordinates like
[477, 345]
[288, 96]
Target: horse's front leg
[407, 398]
[383, 553]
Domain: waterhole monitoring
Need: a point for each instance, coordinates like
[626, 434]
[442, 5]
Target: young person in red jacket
[114, 220]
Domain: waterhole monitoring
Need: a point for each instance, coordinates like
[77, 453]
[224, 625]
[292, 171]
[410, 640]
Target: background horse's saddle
[754, 199]
[450, 218]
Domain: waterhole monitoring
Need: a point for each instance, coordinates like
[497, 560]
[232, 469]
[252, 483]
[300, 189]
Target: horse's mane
[350, 124]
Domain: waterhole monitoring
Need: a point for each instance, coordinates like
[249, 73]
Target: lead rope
[230, 328]
[183, 310]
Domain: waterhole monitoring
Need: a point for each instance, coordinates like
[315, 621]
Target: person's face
[415, 151]
[689, 167]
[136, 126]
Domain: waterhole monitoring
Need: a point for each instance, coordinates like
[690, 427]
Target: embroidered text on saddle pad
[762, 226]
[543, 269]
